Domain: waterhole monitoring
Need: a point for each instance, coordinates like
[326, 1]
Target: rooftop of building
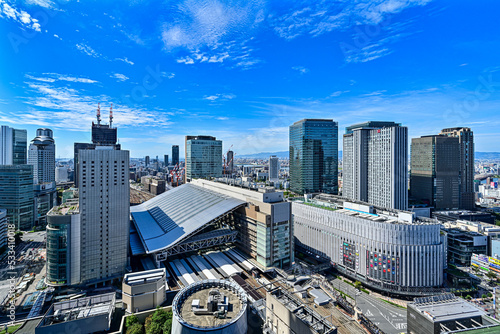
[177, 214]
[371, 124]
[192, 306]
[200, 137]
[307, 315]
[314, 120]
[448, 307]
[143, 277]
[70, 207]
[77, 309]
[363, 210]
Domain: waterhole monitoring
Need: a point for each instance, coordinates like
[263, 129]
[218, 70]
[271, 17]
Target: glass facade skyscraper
[314, 156]
[203, 157]
[20, 143]
[175, 154]
[16, 194]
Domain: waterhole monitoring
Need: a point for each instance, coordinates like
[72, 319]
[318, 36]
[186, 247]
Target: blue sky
[243, 71]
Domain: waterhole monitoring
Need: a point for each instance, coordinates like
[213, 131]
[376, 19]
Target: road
[389, 318]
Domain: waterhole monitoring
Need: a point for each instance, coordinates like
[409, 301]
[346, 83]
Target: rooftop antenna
[111, 115]
[99, 114]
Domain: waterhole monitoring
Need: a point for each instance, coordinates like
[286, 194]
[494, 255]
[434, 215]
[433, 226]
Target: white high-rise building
[3, 227]
[61, 174]
[104, 193]
[274, 168]
[42, 156]
[375, 164]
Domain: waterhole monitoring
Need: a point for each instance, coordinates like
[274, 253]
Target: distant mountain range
[286, 154]
[487, 155]
[266, 155]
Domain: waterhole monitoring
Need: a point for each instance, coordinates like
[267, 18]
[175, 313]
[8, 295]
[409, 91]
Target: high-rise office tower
[104, 196]
[165, 159]
[375, 164]
[16, 195]
[314, 156]
[13, 143]
[434, 171]
[203, 157]
[97, 227]
[175, 154]
[147, 161]
[229, 162]
[466, 160]
[274, 168]
[42, 156]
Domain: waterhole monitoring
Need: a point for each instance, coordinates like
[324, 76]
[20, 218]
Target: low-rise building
[87, 315]
[144, 290]
[448, 314]
[461, 245]
[285, 314]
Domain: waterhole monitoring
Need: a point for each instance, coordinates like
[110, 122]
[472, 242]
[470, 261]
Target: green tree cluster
[160, 322]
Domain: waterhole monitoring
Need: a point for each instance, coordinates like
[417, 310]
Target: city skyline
[244, 72]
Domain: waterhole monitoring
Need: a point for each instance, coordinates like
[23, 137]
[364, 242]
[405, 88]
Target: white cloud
[222, 118]
[212, 31]
[41, 3]
[126, 60]
[211, 97]
[21, 16]
[59, 107]
[301, 69]
[57, 36]
[87, 50]
[119, 76]
[369, 19]
[220, 96]
[168, 75]
[52, 77]
[185, 60]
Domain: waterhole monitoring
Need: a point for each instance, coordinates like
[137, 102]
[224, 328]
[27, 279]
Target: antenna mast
[99, 114]
[111, 115]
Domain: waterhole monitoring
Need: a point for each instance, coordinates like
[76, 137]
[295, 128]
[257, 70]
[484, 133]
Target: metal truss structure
[206, 240]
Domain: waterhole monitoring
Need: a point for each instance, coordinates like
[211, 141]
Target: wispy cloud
[52, 77]
[300, 69]
[220, 97]
[212, 31]
[58, 107]
[370, 20]
[24, 18]
[41, 3]
[119, 76]
[87, 50]
[125, 60]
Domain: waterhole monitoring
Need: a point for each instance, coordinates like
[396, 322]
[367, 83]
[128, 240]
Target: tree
[484, 296]
[489, 295]
[167, 327]
[131, 320]
[136, 328]
[468, 297]
[357, 285]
